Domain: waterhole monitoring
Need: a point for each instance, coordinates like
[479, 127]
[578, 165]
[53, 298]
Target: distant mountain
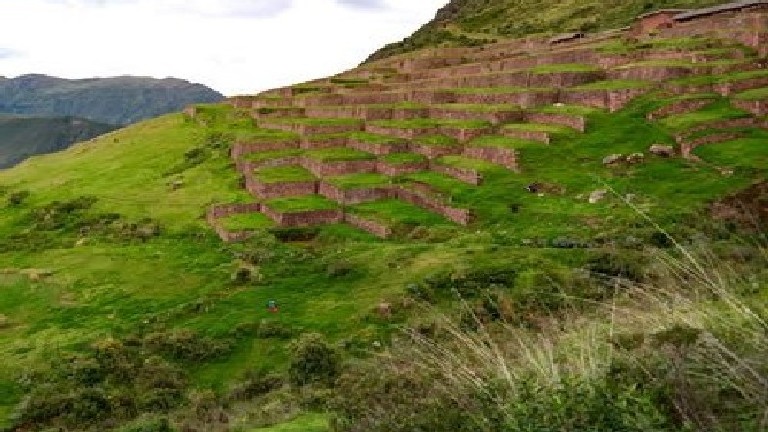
[22, 137]
[43, 114]
[119, 100]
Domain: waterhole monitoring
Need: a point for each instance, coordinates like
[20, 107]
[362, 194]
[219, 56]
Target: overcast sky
[234, 46]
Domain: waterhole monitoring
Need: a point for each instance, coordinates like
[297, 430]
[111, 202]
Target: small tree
[313, 360]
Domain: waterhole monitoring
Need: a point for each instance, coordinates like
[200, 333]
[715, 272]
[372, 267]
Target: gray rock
[597, 196]
[635, 158]
[613, 159]
[662, 150]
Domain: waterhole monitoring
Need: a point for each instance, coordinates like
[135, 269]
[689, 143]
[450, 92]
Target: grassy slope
[468, 22]
[107, 288]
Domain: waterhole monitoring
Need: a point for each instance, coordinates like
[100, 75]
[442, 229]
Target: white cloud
[234, 46]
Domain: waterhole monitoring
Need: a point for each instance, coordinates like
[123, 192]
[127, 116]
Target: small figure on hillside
[273, 307]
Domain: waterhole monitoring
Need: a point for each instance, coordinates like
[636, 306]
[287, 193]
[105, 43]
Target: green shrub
[17, 198]
[313, 360]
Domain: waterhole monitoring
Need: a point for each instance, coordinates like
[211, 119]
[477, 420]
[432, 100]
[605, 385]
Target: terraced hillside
[528, 177]
[436, 131]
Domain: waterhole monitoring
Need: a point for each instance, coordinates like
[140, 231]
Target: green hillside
[476, 22]
[22, 137]
[435, 245]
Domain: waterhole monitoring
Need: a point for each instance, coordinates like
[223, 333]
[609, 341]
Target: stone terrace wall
[433, 152]
[495, 155]
[373, 227]
[572, 121]
[354, 196]
[686, 147]
[240, 149]
[542, 137]
[469, 176]
[746, 26]
[310, 143]
[679, 107]
[338, 168]
[464, 134]
[651, 73]
[225, 210]
[612, 100]
[377, 149]
[402, 133]
[523, 99]
[457, 215]
[490, 116]
[280, 190]
[758, 108]
[394, 170]
[303, 219]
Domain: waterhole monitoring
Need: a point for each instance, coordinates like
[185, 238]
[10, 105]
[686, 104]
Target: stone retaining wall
[354, 196]
[280, 190]
[679, 107]
[612, 100]
[303, 219]
[310, 143]
[394, 170]
[523, 99]
[373, 227]
[542, 137]
[495, 155]
[274, 112]
[494, 117]
[651, 73]
[338, 168]
[402, 133]
[433, 152]
[240, 149]
[456, 215]
[758, 107]
[464, 134]
[686, 147]
[572, 121]
[469, 176]
[377, 149]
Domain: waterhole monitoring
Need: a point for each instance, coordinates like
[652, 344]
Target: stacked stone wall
[495, 155]
[409, 113]
[612, 100]
[433, 152]
[758, 108]
[280, 190]
[338, 168]
[394, 170]
[572, 121]
[490, 116]
[542, 137]
[523, 99]
[310, 143]
[464, 134]
[278, 112]
[303, 219]
[354, 196]
[378, 229]
[377, 149]
[432, 97]
[402, 133]
[469, 176]
[457, 215]
[564, 79]
[679, 107]
[687, 147]
[240, 149]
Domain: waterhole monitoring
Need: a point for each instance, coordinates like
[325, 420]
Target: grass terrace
[265, 135]
[372, 138]
[467, 163]
[301, 204]
[753, 95]
[720, 79]
[339, 154]
[564, 67]
[429, 123]
[402, 158]
[499, 90]
[247, 222]
[503, 142]
[747, 153]
[615, 85]
[575, 110]
[272, 154]
[436, 141]
[480, 108]
[360, 181]
[396, 212]
[719, 110]
[538, 127]
[319, 121]
[284, 174]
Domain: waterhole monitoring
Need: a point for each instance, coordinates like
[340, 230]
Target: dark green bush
[17, 198]
[313, 360]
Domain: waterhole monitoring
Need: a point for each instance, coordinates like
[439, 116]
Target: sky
[233, 46]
